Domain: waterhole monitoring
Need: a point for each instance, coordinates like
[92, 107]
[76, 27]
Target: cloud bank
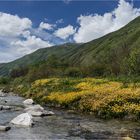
[16, 38]
[95, 26]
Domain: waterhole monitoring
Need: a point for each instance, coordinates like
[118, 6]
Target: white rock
[24, 119]
[35, 108]
[40, 113]
[2, 107]
[35, 113]
[5, 128]
[7, 107]
[2, 94]
[48, 113]
[28, 102]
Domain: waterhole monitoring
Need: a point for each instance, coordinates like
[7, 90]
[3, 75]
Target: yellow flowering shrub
[100, 96]
[43, 82]
[84, 86]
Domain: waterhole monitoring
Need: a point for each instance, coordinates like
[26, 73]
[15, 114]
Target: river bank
[65, 125]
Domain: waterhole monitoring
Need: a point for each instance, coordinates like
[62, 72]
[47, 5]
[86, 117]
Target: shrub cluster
[102, 97]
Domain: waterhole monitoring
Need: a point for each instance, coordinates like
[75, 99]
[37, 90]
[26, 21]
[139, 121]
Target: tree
[18, 72]
[73, 72]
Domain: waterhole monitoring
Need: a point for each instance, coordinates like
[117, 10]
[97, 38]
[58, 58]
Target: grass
[101, 97]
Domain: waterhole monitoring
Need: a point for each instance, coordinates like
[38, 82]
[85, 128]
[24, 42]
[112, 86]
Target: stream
[64, 125]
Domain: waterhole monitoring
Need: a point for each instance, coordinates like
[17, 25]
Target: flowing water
[65, 126]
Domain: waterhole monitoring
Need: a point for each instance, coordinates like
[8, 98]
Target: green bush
[4, 80]
[73, 72]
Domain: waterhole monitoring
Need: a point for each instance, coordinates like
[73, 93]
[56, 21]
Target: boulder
[34, 108]
[2, 94]
[35, 113]
[37, 110]
[17, 108]
[48, 113]
[6, 107]
[4, 128]
[24, 119]
[28, 102]
[40, 113]
[2, 107]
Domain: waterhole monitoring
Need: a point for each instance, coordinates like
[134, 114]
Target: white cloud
[13, 25]
[31, 44]
[17, 37]
[4, 57]
[46, 26]
[26, 34]
[95, 26]
[65, 32]
[60, 21]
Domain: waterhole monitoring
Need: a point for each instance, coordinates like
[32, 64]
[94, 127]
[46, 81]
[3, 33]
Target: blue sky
[38, 11]
[26, 26]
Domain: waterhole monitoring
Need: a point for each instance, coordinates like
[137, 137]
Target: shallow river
[65, 126]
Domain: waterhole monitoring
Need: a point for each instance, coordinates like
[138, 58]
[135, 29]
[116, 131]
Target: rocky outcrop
[24, 119]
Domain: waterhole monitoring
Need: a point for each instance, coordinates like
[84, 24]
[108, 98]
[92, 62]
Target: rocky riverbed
[64, 125]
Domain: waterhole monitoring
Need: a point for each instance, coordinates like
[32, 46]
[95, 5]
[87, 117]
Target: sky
[26, 26]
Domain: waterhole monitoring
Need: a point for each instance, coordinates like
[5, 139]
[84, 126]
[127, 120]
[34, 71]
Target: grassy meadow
[102, 97]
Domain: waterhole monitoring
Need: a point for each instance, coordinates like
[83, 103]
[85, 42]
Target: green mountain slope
[126, 38]
[115, 52]
[36, 57]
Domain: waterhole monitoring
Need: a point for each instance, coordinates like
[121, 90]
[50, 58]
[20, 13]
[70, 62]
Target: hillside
[113, 45]
[117, 52]
[36, 57]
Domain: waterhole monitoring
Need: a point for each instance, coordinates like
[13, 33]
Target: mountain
[116, 52]
[36, 57]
